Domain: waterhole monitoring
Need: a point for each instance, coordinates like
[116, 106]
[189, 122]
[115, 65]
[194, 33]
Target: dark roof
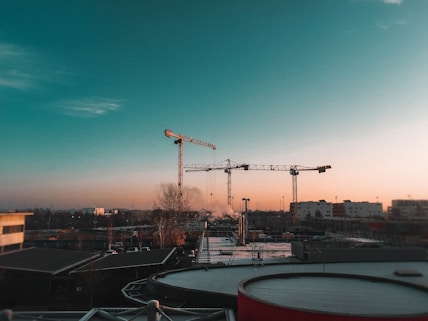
[128, 260]
[44, 260]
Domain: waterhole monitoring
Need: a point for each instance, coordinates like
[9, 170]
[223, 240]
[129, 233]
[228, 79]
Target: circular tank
[330, 296]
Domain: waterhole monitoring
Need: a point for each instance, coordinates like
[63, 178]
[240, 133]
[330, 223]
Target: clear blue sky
[88, 87]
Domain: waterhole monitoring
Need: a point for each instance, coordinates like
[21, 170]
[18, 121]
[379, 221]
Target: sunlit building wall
[311, 209]
[361, 209]
[12, 228]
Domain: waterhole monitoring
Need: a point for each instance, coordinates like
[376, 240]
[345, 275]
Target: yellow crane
[179, 141]
[293, 169]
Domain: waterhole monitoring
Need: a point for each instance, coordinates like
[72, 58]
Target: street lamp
[246, 200]
[243, 223]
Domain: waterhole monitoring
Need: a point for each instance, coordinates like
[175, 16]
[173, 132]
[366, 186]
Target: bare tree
[170, 210]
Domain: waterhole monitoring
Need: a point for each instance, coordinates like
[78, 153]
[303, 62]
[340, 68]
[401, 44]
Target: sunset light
[84, 109]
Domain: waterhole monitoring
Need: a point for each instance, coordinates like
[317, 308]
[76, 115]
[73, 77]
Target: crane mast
[179, 141]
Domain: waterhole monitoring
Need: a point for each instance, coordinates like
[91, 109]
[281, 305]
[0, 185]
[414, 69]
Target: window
[13, 229]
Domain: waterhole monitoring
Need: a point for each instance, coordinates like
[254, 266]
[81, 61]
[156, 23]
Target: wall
[8, 240]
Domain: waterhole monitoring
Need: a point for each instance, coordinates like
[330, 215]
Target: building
[412, 209]
[93, 210]
[12, 228]
[39, 277]
[358, 209]
[310, 209]
[55, 279]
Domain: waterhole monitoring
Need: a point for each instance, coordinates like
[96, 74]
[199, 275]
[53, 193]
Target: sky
[87, 89]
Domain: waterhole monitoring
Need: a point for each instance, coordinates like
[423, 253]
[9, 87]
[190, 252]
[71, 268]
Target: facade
[358, 209]
[308, 210]
[414, 209]
[12, 228]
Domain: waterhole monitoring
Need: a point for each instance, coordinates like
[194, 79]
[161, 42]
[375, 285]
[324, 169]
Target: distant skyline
[87, 89]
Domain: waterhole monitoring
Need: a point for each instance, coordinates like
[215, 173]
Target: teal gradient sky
[88, 87]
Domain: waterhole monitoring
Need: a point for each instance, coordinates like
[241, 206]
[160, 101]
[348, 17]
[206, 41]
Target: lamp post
[243, 225]
[246, 200]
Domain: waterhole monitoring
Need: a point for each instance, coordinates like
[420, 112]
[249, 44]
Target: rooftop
[44, 260]
[128, 260]
[226, 280]
[338, 294]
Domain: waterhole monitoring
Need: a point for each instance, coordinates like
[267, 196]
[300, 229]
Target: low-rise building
[12, 228]
[311, 209]
[413, 209]
[357, 209]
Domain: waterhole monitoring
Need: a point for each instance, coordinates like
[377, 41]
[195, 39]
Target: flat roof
[276, 258]
[128, 260]
[226, 279]
[44, 260]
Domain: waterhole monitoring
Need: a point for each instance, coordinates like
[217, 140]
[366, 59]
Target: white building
[12, 228]
[415, 209]
[362, 209]
[308, 210]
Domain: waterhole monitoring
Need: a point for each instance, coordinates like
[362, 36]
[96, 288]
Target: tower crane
[293, 169]
[179, 141]
[227, 169]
